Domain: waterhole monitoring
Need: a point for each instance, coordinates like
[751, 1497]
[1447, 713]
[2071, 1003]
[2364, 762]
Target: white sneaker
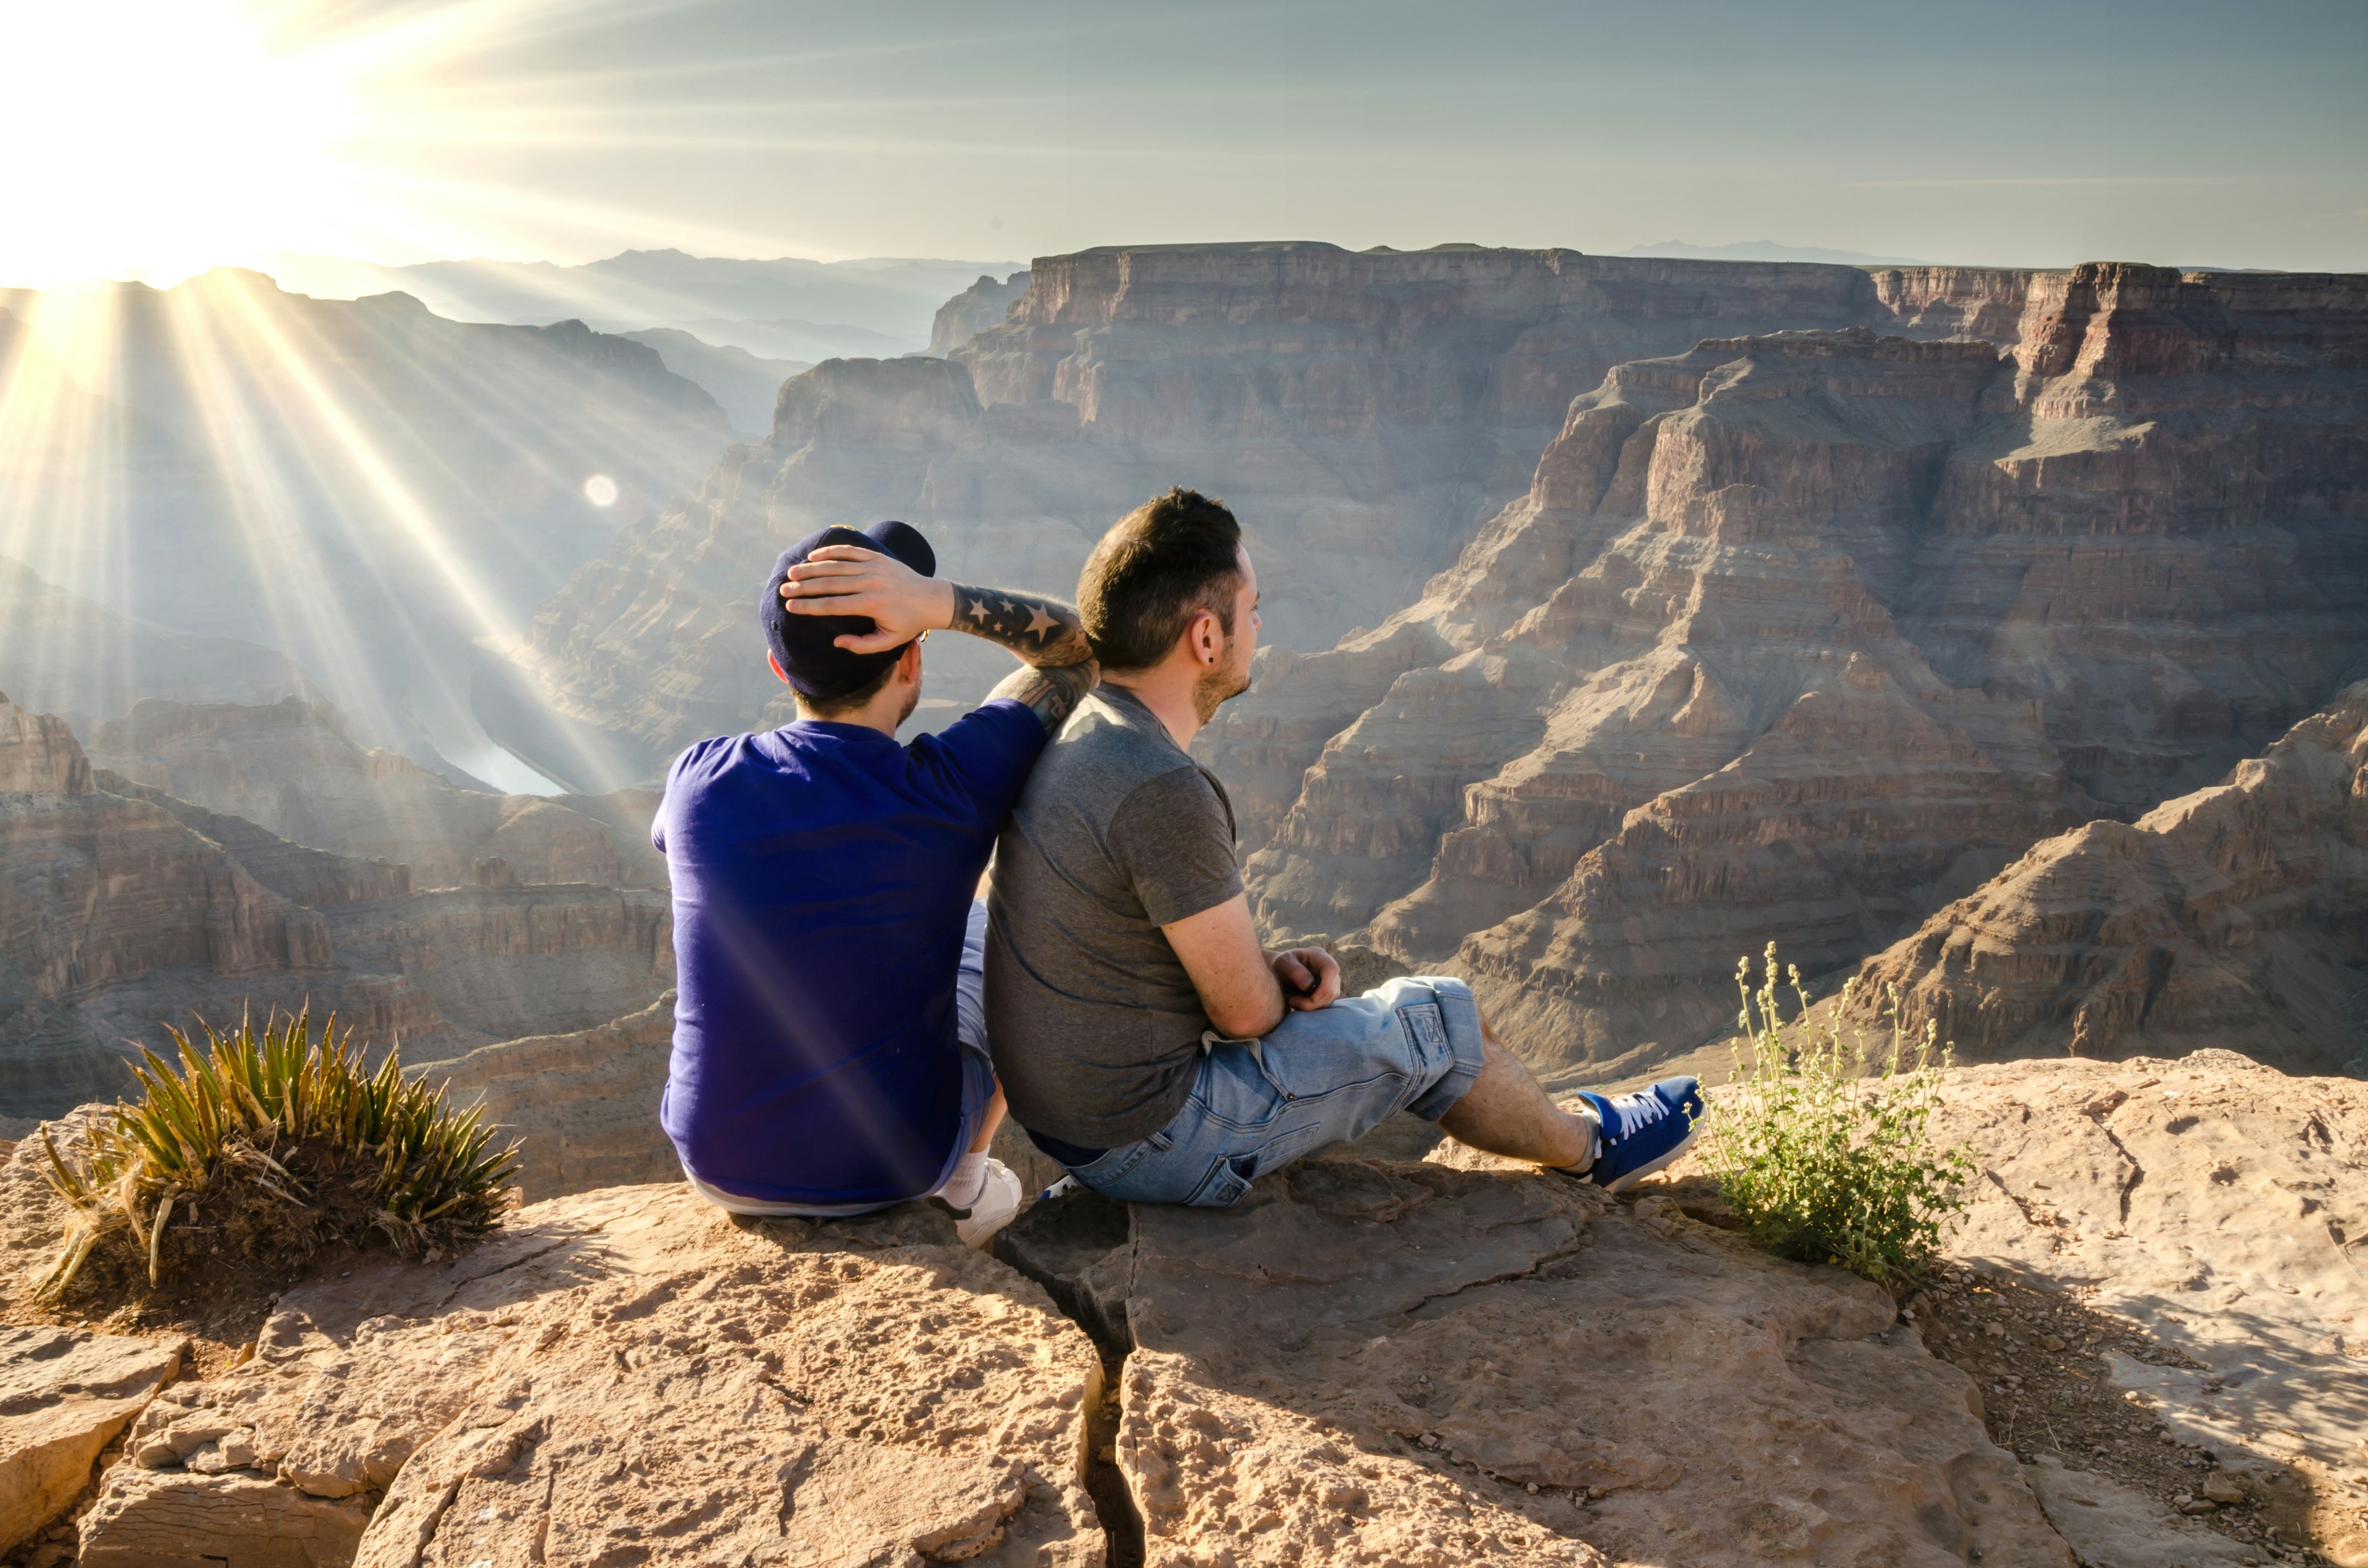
[997, 1206]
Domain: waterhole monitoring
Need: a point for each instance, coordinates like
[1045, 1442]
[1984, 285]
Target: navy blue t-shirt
[823, 875]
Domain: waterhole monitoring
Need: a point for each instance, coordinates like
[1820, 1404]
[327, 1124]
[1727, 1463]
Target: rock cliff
[982, 305]
[2230, 916]
[295, 770]
[1800, 637]
[120, 912]
[2142, 1348]
[1363, 412]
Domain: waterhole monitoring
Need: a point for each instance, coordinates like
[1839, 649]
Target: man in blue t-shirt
[829, 1046]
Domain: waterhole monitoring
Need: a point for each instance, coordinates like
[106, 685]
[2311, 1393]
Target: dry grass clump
[259, 1149]
[1820, 1144]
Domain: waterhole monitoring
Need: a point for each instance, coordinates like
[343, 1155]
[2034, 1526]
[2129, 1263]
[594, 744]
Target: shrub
[1821, 1145]
[266, 1145]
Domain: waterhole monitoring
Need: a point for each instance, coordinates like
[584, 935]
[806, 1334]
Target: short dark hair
[850, 702]
[1156, 568]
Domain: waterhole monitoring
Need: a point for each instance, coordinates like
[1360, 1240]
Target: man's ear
[775, 660]
[1204, 637]
[908, 662]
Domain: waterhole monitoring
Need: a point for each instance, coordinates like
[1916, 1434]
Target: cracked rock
[63, 1396]
[626, 1374]
[1667, 1394]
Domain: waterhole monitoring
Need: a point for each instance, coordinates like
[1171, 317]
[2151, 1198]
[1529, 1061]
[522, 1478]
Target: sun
[155, 138]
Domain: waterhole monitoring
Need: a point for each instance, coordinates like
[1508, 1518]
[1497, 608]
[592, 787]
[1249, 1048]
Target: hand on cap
[844, 579]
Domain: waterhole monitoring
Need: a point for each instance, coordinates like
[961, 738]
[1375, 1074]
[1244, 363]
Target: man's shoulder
[1104, 748]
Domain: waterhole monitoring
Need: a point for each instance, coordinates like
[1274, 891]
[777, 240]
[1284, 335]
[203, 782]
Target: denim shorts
[1320, 1077]
[977, 1088]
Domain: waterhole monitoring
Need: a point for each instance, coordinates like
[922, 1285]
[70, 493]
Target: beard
[1220, 686]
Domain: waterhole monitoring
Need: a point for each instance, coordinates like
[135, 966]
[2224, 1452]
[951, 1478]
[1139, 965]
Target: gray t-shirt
[1094, 1023]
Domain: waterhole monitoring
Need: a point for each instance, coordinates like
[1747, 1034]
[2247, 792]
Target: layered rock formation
[2232, 918]
[1362, 411]
[295, 770]
[1799, 637]
[982, 305]
[123, 911]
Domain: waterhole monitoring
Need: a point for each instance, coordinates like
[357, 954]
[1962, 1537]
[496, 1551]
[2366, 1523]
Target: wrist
[941, 608]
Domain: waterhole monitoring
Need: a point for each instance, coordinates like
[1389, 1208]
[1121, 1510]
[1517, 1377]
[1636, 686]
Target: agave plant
[276, 1118]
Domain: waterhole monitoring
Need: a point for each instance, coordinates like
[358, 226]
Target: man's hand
[845, 579]
[1310, 978]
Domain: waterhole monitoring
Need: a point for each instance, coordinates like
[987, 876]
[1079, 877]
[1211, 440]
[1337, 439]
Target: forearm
[1039, 629]
[1053, 690]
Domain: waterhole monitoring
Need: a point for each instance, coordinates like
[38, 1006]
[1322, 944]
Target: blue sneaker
[1644, 1131]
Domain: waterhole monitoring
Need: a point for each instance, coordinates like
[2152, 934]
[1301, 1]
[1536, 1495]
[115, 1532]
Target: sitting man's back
[829, 1052]
[819, 870]
[1126, 834]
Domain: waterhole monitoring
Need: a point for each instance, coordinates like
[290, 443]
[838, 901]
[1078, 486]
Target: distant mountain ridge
[894, 296]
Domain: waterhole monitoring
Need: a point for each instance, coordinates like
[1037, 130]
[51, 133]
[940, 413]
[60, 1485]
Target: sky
[155, 138]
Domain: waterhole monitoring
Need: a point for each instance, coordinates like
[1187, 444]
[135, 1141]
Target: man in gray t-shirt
[1143, 1035]
[1116, 834]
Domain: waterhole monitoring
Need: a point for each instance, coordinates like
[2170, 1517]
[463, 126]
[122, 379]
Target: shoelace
[1645, 1107]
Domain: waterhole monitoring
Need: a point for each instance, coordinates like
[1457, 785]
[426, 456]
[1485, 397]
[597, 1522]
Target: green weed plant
[1821, 1145]
[266, 1144]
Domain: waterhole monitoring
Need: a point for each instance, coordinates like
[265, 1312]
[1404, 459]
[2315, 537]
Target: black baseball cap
[806, 645]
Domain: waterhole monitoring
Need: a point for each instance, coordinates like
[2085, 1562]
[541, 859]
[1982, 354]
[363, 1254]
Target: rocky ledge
[2145, 1350]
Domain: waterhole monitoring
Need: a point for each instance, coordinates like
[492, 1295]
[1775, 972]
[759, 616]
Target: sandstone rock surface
[2111, 1526]
[1373, 407]
[1803, 636]
[2229, 918]
[1403, 1362]
[2223, 1207]
[634, 1374]
[63, 1394]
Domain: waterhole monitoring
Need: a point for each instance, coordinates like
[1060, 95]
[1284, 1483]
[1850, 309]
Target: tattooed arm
[1043, 632]
[1047, 636]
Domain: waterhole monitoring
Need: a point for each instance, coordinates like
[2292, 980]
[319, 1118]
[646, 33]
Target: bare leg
[1506, 1113]
[988, 1122]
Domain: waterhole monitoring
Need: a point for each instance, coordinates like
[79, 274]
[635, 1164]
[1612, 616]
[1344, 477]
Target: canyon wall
[2236, 916]
[294, 769]
[1362, 411]
[123, 909]
[972, 311]
[1798, 637]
